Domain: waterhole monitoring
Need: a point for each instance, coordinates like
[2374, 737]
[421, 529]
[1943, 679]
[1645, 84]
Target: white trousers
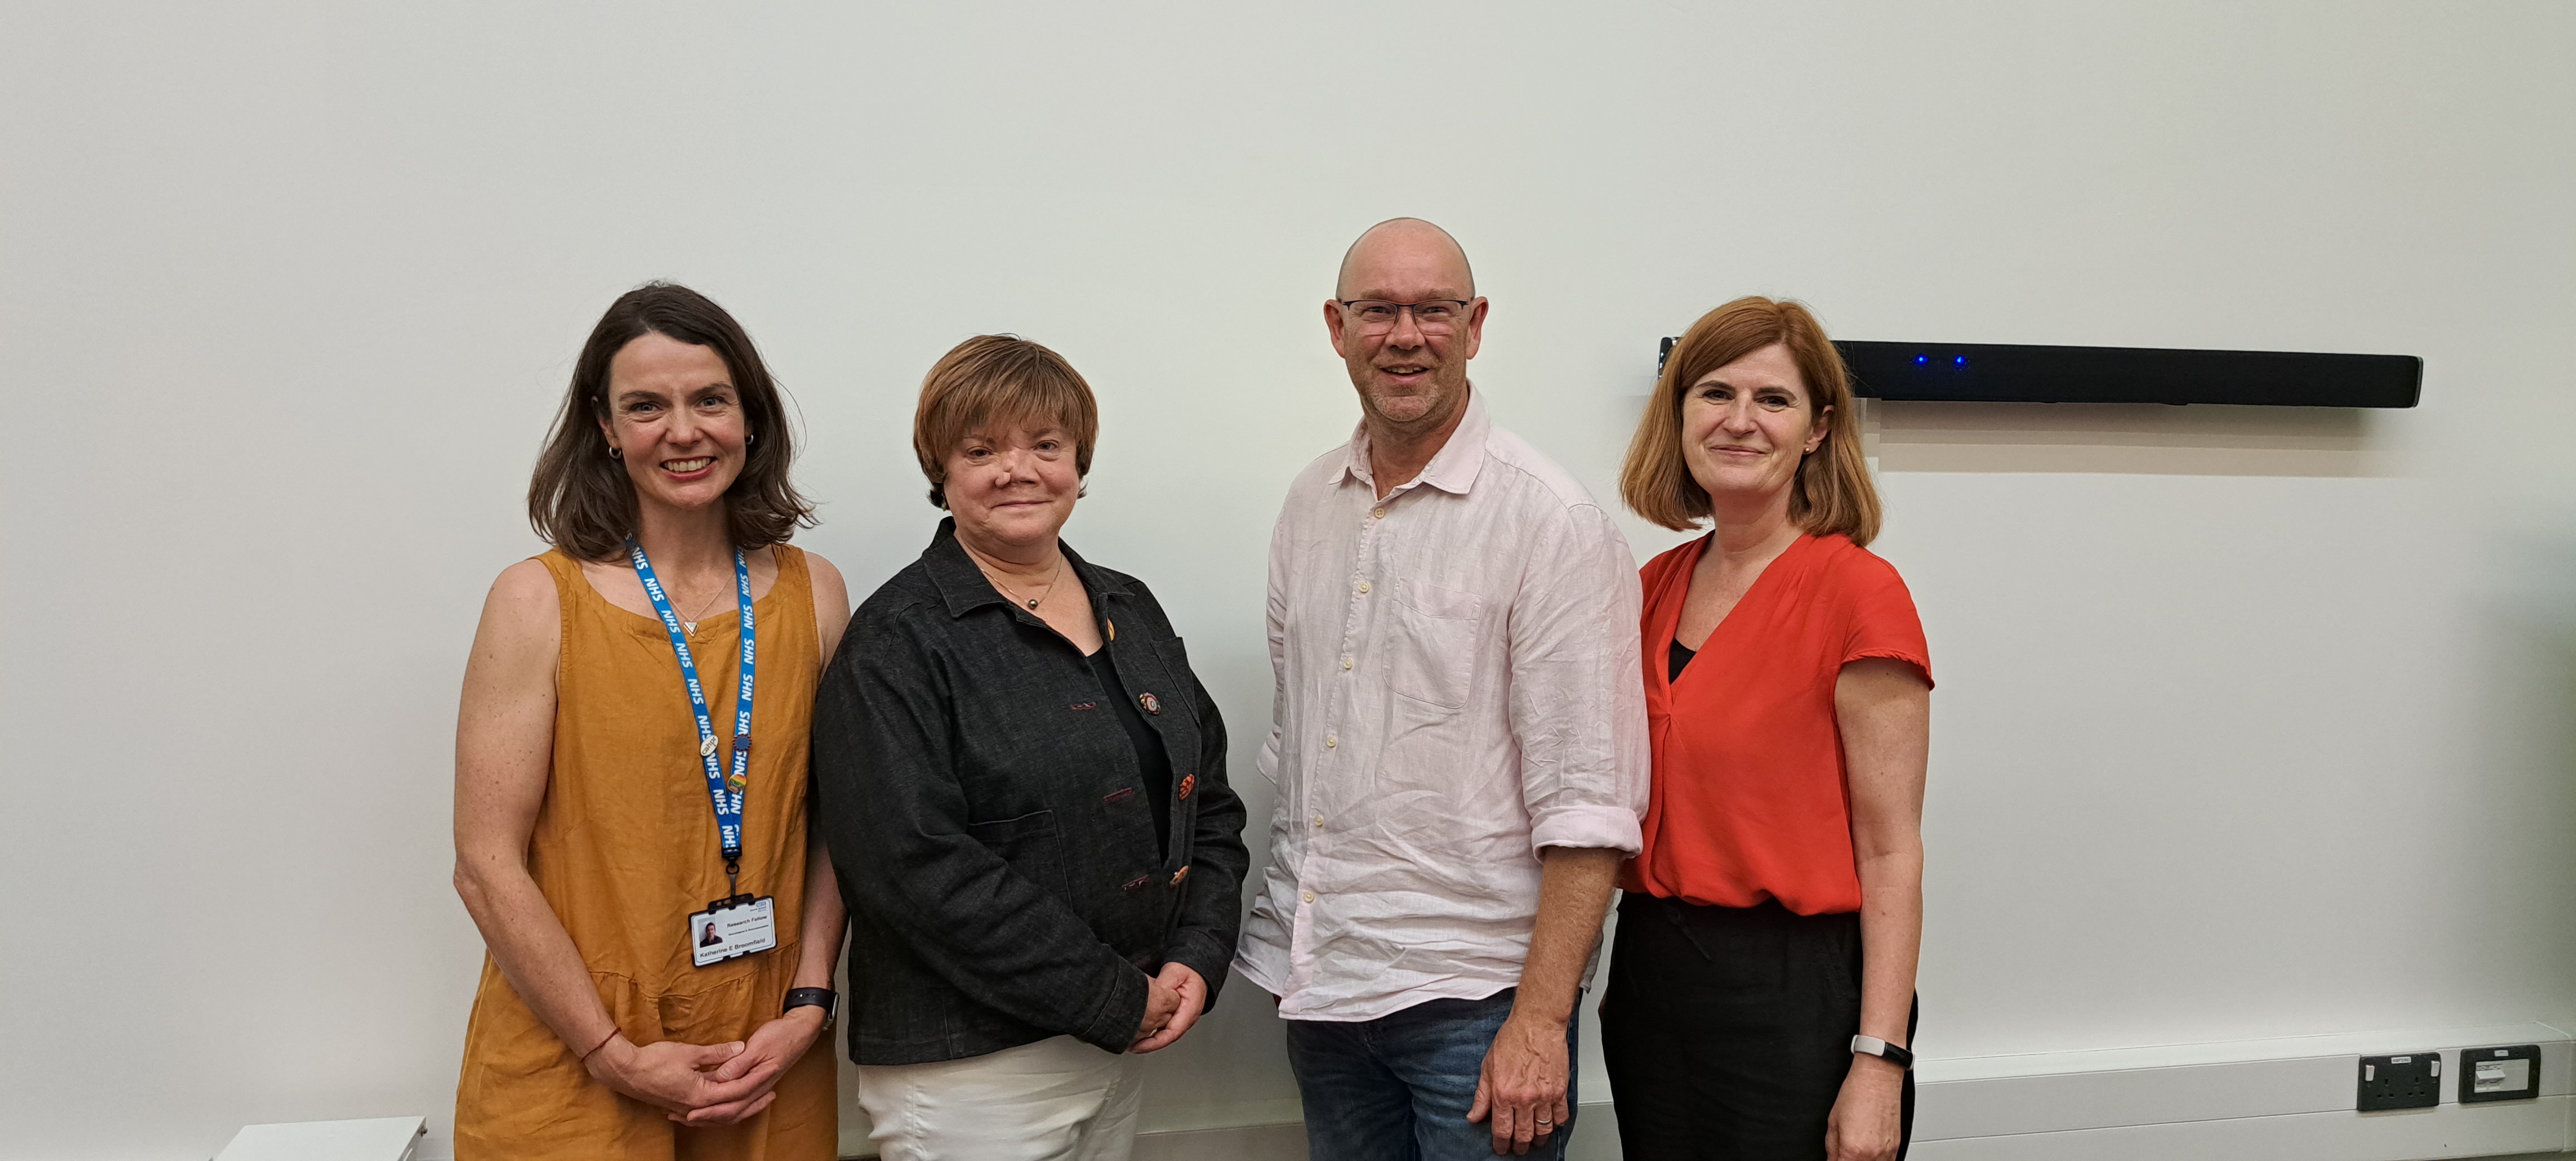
[1055, 1100]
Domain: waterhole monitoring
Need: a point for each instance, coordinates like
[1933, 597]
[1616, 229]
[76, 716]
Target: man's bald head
[1405, 259]
[1411, 370]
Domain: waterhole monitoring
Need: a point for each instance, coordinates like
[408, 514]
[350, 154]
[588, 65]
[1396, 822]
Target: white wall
[2250, 724]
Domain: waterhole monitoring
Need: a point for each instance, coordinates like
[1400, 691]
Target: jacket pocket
[1031, 847]
[1434, 642]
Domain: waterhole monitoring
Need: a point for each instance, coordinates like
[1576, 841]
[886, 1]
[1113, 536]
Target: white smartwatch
[1873, 1046]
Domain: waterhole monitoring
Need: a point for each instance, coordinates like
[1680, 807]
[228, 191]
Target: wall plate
[2409, 1081]
[2500, 1074]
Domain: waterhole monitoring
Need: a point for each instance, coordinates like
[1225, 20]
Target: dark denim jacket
[986, 815]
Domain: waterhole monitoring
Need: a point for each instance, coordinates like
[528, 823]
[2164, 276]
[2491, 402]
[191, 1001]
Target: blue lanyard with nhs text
[726, 791]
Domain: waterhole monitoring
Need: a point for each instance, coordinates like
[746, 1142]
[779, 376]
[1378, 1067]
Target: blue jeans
[1397, 1088]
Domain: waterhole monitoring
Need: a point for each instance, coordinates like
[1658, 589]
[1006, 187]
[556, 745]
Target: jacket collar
[1452, 469]
[964, 587]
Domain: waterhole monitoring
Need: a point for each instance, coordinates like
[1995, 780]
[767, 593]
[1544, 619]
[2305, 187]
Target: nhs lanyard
[725, 791]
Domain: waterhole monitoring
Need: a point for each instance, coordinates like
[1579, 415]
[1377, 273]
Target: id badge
[733, 927]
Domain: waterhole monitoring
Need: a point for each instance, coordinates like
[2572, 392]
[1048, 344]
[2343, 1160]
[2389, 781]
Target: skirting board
[2288, 1099]
[2529, 1129]
[2448, 1130]
[2318, 1136]
[2256, 1100]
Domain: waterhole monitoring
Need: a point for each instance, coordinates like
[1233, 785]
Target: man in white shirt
[1458, 737]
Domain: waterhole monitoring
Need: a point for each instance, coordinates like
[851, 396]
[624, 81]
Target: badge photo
[732, 927]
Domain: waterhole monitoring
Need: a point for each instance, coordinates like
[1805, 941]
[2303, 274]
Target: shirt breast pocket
[1434, 642]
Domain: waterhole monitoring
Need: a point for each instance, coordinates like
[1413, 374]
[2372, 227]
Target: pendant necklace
[692, 626]
[1031, 602]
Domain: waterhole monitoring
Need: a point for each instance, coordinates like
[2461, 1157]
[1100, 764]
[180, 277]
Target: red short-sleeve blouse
[1750, 800]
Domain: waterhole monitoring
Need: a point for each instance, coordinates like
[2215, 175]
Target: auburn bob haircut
[582, 502]
[999, 380]
[1832, 492]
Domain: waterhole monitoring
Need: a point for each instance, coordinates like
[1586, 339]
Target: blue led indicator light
[1919, 360]
[1959, 361]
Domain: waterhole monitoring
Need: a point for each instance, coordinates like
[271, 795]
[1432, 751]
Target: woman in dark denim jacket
[1023, 787]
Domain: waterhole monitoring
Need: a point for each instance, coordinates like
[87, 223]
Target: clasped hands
[708, 1084]
[720, 1084]
[1174, 998]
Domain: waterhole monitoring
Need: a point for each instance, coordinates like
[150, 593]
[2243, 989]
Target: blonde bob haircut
[992, 381]
[1832, 492]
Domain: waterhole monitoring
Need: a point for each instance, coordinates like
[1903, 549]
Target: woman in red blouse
[1760, 1000]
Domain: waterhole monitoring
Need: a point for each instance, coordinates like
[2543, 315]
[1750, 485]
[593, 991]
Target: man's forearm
[1573, 896]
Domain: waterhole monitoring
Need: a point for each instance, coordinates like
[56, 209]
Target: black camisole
[1151, 757]
[1680, 656]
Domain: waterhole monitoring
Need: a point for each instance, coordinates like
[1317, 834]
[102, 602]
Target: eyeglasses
[1376, 316]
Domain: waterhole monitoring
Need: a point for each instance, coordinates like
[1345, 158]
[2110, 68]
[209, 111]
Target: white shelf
[380, 1139]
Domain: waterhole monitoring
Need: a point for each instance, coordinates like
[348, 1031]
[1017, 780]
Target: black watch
[1871, 1045]
[824, 998]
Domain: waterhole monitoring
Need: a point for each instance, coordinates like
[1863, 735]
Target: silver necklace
[692, 625]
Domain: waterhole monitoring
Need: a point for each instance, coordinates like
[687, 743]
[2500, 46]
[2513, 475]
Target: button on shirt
[1456, 671]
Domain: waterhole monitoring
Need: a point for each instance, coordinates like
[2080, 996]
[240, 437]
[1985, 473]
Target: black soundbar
[2011, 373]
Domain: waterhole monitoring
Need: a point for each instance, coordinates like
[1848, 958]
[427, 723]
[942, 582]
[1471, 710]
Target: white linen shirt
[1456, 687]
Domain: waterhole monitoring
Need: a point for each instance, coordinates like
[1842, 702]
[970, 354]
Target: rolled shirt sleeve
[1578, 709]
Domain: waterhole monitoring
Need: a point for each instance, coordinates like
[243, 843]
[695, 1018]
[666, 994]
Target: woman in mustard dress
[630, 774]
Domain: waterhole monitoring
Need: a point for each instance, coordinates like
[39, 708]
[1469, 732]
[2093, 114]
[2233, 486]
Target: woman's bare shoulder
[827, 576]
[831, 601]
[523, 595]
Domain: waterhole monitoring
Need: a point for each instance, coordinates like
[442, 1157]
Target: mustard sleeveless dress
[625, 849]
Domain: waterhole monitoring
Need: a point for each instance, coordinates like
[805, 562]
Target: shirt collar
[1452, 469]
[965, 588]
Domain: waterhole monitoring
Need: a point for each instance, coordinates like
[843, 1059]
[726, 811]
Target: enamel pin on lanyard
[737, 924]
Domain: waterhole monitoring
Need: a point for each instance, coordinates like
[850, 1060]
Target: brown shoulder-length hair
[992, 379]
[581, 500]
[1832, 492]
